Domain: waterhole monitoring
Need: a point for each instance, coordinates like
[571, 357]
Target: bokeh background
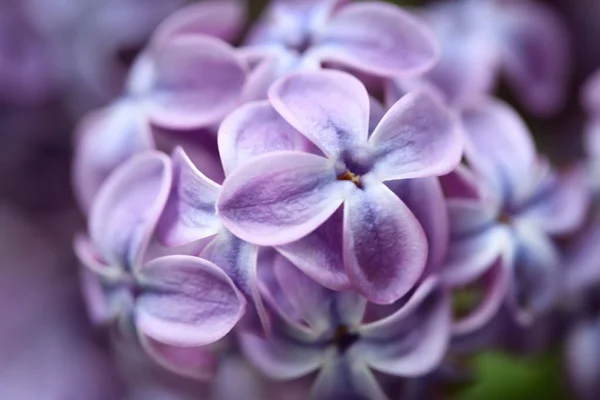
[60, 59]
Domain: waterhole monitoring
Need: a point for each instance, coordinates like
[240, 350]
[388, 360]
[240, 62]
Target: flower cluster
[338, 198]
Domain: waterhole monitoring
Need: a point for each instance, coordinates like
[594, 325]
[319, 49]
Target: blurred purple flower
[480, 39]
[280, 197]
[506, 215]
[178, 303]
[317, 329]
[375, 37]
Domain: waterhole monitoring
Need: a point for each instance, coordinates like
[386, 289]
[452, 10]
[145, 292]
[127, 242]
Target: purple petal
[536, 55]
[378, 38]
[319, 254]
[190, 213]
[239, 261]
[500, 147]
[92, 261]
[106, 139]
[580, 259]
[470, 216]
[536, 274]
[581, 357]
[191, 362]
[330, 108]
[188, 301]
[267, 71]
[320, 307]
[280, 356]
[461, 184]
[346, 376]
[223, 19]
[425, 199]
[197, 81]
[127, 208]
[418, 137]
[470, 255]
[495, 280]
[561, 204]
[280, 197]
[254, 129]
[385, 248]
[413, 340]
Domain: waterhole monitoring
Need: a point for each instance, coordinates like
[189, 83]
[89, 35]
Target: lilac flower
[321, 330]
[165, 89]
[280, 197]
[374, 37]
[524, 204]
[178, 303]
[481, 38]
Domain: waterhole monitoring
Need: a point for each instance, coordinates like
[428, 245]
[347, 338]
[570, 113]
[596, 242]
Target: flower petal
[190, 213]
[425, 199]
[470, 255]
[500, 147]
[496, 281]
[413, 340]
[536, 275]
[197, 81]
[378, 38]
[127, 209]
[280, 197]
[536, 55]
[418, 137]
[223, 19]
[188, 301]
[346, 376]
[331, 108]
[319, 254]
[106, 139]
[253, 129]
[239, 261]
[583, 365]
[385, 248]
[561, 204]
[191, 362]
[461, 184]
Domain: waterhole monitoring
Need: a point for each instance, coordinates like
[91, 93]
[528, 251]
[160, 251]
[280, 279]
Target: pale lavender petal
[239, 261]
[536, 274]
[376, 113]
[385, 248]
[581, 261]
[280, 197]
[92, 261]
[190, 213]
[267, 71]
[495, 281]
[187, 301]
[581, 356]
[127, 208]
[413, 340]
[254, 129]
[197, 81]
[331, 108]
[500, 147]
[223, 19]
[97, 305]
[418, 137]
[469, 216]
[319, 254]
[281, 356]
[378, 38]
[106, 139]
[191, 362]
[470, 255]
[346, 376]
[536, 52]
[561, 204]
[424, 197]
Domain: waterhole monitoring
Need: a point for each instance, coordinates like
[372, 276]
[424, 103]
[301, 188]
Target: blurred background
[60, 59]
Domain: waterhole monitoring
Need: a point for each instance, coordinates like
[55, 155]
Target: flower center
[349, 176]
[352, 164]
[344, 338]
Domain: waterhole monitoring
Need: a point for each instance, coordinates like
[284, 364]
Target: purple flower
[509, 212]
[316, 329]
[375, 37]
[280, 197]
[178, 303]
[481, 38]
